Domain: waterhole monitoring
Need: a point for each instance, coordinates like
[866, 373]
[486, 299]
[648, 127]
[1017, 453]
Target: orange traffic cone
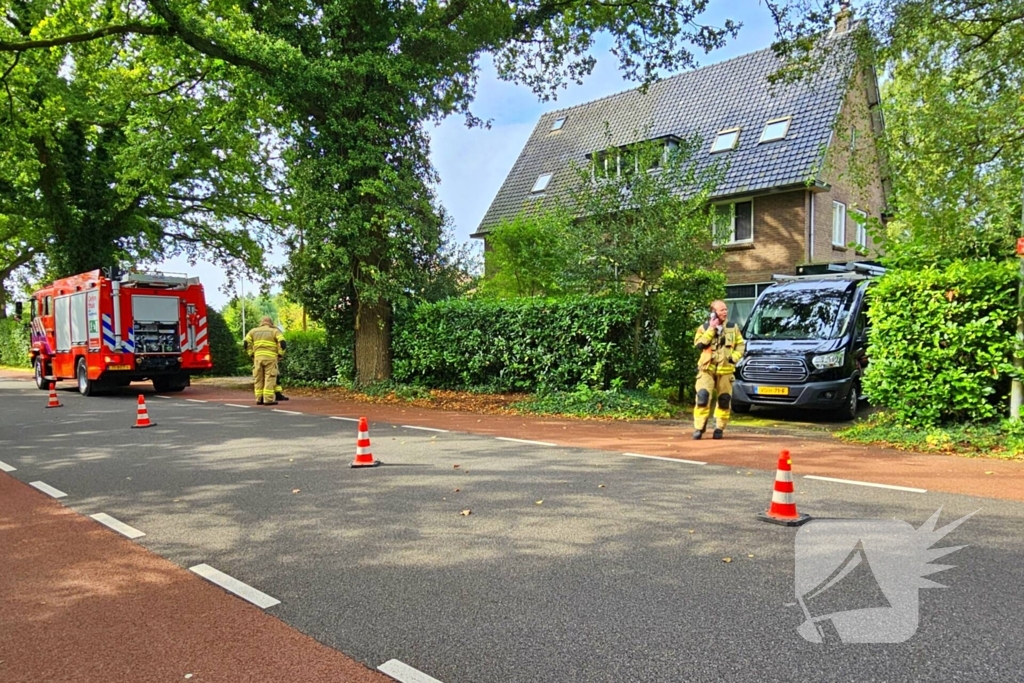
[783, 508]
[54, 401]
[142, 417]
[364, 458]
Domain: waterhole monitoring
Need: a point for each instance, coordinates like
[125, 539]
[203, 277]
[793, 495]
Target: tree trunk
[3, 296]
[373, 342]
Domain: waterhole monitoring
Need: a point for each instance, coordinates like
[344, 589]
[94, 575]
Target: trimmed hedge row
[526, 344]
[942, 341]
[14, 343]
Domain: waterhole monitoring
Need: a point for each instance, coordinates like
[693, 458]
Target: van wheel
[86, 387]
[849, 409]
[741, 408]
[37, 371]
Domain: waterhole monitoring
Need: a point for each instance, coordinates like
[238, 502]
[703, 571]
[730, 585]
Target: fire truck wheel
[86, 387]
[166, 385]
[41, 382]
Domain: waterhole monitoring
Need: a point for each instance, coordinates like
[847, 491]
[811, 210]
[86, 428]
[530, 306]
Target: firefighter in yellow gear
[265, 345]
[721, 348]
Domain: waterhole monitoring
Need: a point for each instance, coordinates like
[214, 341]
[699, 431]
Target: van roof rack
[853, 270]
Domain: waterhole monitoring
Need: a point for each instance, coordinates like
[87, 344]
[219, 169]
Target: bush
[14, 343]
[524, 344]
[587, 402]
[682, 305]
[229, 358]
[308, 359]
[942, 340]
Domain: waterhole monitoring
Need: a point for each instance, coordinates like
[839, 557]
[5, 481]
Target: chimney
[843, 17]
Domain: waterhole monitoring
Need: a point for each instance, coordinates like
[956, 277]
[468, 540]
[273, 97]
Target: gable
[732, 94]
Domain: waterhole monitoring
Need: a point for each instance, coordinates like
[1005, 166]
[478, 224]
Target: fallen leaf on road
[456, 490]
[990, 473]
[188, 675]
[466, 513]
[539, 502]
[749, 473]
[749, 555]
[600, 486]
[727, 560]
[176, 500]
[296, 490]
[691, 531]
[455, 467]
[291, 459]
[287, 476]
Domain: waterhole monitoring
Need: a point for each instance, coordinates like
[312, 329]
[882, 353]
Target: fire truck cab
[109, 330]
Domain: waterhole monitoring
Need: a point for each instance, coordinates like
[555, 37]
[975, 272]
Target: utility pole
[241, 302]
[1017, 388]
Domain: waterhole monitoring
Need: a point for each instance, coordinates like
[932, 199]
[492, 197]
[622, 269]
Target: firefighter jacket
[264, 342]
[719, 350]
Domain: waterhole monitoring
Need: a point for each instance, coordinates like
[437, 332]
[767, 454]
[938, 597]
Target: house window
[838, 224]
[862, 230]
[776, 129]
[541, 184]
[559, 122]
[734, 223]
[726, 140]
[740, 300]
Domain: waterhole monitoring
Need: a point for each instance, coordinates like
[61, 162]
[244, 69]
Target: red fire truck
[108, 330]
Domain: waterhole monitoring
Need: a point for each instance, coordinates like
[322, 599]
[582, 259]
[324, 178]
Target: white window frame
[788, 120]
[732, 238]
[543, 180]
[838, 223]
[559, 123]
[862, 230]
[722, 134]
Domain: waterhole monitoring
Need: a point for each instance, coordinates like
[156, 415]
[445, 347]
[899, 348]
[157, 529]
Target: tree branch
[123, 29]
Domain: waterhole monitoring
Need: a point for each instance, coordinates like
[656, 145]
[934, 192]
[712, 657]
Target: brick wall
[779, 243]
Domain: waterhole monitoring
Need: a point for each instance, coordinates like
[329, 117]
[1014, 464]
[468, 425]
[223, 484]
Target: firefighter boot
[278, 396]
[717, 434]
[697, 434]
[259, 401]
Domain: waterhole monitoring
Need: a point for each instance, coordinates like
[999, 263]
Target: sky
[473, 163]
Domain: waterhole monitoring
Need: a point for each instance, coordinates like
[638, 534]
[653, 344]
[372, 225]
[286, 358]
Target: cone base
[783, 521]
[59, 405]
[151, 424]
[375, 463]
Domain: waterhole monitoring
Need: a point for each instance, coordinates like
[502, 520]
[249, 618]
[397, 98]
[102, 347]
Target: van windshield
[806, 314]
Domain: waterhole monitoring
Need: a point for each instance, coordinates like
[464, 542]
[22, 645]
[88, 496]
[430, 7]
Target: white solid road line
[47, 489]
[120, 527]
[4, 467]
[866, 483]
[233, 585]
[287, 412]
[236, 405]
[404, 673]
[535, 443]
[426, 429]
[346, 419]
[194, 400]
[659, 457]
[159, 396]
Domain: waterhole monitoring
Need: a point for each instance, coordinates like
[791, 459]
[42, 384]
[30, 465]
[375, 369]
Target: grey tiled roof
[733, 93]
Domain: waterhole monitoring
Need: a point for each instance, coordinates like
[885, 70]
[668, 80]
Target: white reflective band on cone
[784, 498]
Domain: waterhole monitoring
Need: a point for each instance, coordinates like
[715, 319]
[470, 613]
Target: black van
[806, 340]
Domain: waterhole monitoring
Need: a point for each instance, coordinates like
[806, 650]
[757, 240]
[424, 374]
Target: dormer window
[541, 184]
[559, 122]
[776, 129]
[726, 140]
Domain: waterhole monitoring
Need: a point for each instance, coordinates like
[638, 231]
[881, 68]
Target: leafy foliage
[681, 307]
[14, 343]
[586, 401]
[524, 344]
[942, 341]
[229, 358]
[309, 358]
[1004, 439]
[528, 255]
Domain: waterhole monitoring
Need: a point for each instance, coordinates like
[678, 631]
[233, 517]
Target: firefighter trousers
[711, 384]
[264, 378]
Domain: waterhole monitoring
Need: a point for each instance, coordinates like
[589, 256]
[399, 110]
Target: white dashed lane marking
[346, 419]
[404, 673]
[4, 467]
[47, 489]
[235, 405]
[194, 400]
[159, 396]
[425, 429]
[659, 457]
[233, 585]
[118, 526]
[287, 412]
[866, 483]
[534, 443]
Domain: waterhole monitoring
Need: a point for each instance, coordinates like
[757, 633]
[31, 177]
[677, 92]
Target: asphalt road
[574, 565]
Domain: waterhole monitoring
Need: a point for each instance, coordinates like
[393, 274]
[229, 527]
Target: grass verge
[993, 439]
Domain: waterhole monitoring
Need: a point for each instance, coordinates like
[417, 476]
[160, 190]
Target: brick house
[801, 158]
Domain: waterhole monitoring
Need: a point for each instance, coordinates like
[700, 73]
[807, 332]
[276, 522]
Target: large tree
[357, 80]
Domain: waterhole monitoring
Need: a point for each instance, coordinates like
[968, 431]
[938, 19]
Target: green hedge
[525, 344]
[229, 359]
[14, 343]
[682, 306]
[941, 344]
[308, 359]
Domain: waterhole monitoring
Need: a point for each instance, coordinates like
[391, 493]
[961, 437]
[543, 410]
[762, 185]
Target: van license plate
[119, 367]
[772, 391]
